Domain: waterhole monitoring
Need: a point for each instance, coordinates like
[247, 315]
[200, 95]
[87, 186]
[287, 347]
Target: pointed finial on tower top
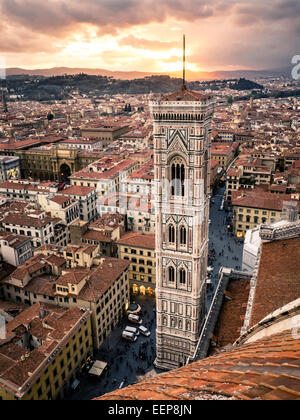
[183, 77]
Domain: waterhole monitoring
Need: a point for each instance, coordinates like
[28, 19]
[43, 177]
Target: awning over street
[98, 368]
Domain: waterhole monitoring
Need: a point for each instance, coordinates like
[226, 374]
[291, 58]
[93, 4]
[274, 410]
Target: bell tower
[182, 144]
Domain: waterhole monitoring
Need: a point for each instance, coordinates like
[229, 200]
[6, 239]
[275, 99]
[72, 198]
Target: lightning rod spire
[184, 60]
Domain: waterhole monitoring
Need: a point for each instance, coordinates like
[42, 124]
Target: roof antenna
[183, 77]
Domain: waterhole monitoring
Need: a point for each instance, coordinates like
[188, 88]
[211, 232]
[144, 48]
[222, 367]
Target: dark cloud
[261, 32]
[61, 15]
[267, 11]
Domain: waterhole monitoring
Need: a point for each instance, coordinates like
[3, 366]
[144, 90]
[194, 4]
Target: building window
[171, 234]
[182, 235]
[182, 276]
[171, 275]
[177, 179]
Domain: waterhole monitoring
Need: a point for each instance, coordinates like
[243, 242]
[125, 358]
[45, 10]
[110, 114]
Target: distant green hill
[244, 84]
[61, 87]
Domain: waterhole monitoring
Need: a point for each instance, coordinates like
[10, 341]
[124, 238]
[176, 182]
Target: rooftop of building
[232, 314]
[76, 248]
[104, 169]
[97, 236]
[13, 240]
[73, 277]
[38, 276]
[27, 220]
[278, 277]
[76, 190]
[185, 95]
[146, 172]
[138, 240]
[260, 199]
[108, 221]
[20, 367]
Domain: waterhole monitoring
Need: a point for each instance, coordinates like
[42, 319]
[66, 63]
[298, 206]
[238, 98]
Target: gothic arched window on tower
[182, 276]
[171, 275]
[177, 178]
[183, 235]
[171, 234]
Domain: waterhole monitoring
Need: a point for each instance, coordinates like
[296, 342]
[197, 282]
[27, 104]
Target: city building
[15, 249]
[254, 207]
[87, 198]
[182, 143]
[54, 163]
[102, 288]
[223, 154]
[37, 226]
[64, 208]
[104, 175]
[81, 256]
[105, 232]
[107, 134]
[43, 352]
[246, 173]
[9, 168]
[140, 251]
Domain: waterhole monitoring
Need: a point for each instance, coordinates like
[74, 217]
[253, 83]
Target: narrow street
[224, 249]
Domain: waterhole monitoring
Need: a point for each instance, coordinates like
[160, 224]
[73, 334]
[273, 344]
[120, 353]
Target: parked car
[135, 319]
[144, 331]
[129, 336]
[132, 330]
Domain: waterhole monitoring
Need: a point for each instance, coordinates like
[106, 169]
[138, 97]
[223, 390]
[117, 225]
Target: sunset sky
[145, 35]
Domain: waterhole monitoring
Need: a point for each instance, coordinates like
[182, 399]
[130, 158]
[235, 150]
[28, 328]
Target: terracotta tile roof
[24, 220]
[35, 264]
[260, 199]
[76, 190]
[14, 240]
[51, 324]
[60, 199]
[44, 285]
[232, 315]
[221, 149]
[111, 172]
[72, 277]
[268, 369]
[278, 278]
[95, 235]
[102, 278]
[137, 240]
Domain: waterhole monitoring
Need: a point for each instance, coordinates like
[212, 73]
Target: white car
[132, 330]
[144, 331]
[129, 336]
[135, 319]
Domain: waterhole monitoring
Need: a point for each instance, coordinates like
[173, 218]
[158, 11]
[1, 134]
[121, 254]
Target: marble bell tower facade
[182, 157]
